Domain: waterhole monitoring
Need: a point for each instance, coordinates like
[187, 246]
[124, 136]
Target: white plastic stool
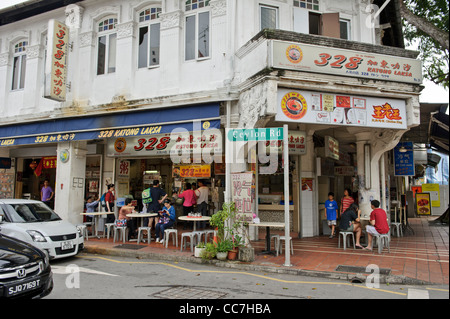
[276, 241]
[109, 227]
[199, 234]
[382, 240]
[141, 233]
[207, 233]
[123, 229]
[167, 233]
[397, 227]
[344, 238]
[280, 246]
[84, 231]
[185, 236]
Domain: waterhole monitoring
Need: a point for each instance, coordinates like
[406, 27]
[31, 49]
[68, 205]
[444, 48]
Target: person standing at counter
[190, 199]
[158, 196]
[109, 200]
[202, 193]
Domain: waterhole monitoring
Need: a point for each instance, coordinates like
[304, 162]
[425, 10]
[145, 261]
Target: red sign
[49, 162]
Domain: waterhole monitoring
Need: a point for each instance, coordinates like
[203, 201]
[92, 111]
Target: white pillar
[70, 181]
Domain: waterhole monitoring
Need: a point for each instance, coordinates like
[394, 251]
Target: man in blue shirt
[331, 211]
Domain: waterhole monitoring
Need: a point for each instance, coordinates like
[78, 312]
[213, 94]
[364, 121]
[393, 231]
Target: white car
[34, 222]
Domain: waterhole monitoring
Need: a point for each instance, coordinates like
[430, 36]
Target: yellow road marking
[243, 273]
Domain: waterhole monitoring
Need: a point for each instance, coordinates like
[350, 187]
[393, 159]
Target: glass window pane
[154, 43]
[344, 30]
[16, 68]
[190, 38]
[23, 67]
[112, 53]
[268, 18]
[101, 56]
[143, 47]
[203, 35]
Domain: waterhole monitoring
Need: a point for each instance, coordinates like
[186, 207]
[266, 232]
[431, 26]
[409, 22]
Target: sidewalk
[419, 258]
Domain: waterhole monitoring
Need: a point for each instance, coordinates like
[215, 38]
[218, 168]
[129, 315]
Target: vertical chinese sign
[242, 194]
[404, 159]
[56, 66]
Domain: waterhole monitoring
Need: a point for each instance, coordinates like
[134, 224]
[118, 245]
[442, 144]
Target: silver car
[35, 223]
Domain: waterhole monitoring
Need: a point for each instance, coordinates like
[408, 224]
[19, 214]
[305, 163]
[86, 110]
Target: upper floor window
[197, 31]
[149, 37]
[107, 39]
[19, 65]
[268, 17]
[196, 4]
[307, 4]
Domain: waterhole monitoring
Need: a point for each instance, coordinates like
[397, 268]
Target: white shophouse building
[137, 69]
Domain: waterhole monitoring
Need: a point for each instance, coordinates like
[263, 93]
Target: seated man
[350, 222]
[378, 223]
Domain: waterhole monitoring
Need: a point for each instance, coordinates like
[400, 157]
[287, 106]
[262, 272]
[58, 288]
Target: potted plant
[199, 249]
[236, 243]
[209, 252]
[220, 217]
[223, 247]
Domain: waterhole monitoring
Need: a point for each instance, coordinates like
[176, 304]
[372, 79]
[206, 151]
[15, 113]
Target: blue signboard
[404, 159]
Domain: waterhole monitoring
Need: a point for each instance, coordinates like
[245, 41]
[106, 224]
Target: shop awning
[148, 122]
[438, 132]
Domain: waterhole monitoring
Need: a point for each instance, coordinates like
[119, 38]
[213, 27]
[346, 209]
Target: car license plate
[66, 245]
[23, 287]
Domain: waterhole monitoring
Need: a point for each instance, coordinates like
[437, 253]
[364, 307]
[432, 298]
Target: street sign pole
[287, 226]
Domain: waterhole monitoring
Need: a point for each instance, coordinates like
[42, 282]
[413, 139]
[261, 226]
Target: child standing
[331, 211]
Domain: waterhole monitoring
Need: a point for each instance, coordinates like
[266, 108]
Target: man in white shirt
[202, 193]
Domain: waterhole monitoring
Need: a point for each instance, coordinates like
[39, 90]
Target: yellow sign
[194, 171]
[423, 204]
[433, 189]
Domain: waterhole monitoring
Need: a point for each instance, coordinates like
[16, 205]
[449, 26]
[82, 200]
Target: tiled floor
[423, 255]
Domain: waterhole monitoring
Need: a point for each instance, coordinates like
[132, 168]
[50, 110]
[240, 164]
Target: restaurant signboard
[56, 62]
[329, 60]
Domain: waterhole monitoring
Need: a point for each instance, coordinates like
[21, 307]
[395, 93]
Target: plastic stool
[123, 229]
[397, 227]
[108, 226]
[84, 231]
[280, 246]
[184, 237]
[140, 232]
[167, 233]
[344, 239]
[199, 234]
[276, 241]
[207, 233]
[382, 240]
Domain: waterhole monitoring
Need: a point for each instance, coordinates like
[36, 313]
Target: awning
[438, 132]
[148, 122]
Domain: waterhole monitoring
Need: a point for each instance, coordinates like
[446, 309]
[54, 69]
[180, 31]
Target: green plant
[224, 245]
[209, 252]
[220, 217]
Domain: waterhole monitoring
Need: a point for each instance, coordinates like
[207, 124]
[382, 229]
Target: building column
[70, 180]
[376, 143]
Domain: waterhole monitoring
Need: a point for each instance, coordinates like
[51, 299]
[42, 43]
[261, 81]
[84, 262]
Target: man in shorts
[378, 223]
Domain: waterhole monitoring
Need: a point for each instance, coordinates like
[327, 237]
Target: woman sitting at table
[167, 219]
[128, 208]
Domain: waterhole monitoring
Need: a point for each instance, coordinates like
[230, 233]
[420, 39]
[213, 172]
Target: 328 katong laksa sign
[318, 59]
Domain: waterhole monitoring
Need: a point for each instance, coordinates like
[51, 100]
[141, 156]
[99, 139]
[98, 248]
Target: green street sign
[255, 134]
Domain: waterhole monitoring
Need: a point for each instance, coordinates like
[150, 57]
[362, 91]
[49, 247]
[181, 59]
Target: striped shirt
[346, 202]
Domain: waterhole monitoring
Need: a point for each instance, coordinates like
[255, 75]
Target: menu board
[423, 203]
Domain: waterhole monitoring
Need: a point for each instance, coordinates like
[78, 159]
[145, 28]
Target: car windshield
[29, 213]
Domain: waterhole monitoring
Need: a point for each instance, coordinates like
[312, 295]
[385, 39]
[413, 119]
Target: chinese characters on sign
[319, 59]
[242, 194]
[192, 171]
[56, 67]
[339, 109]
[124, 169]
[404, 159]
[49, 162]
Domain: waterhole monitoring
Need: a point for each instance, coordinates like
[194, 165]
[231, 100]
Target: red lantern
[33, 165]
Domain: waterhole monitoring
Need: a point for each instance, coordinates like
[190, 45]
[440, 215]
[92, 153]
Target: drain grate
[361, 270]
[129, 246]
[183, 292]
